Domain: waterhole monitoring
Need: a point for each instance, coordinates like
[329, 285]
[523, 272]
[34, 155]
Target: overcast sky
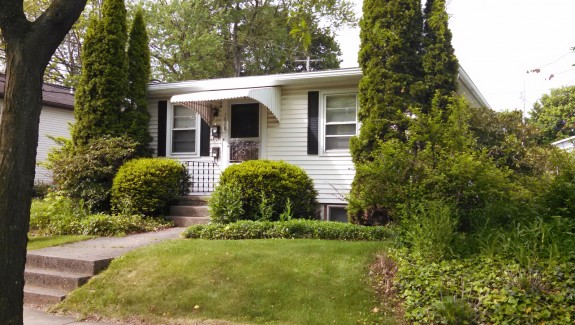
[498, 41]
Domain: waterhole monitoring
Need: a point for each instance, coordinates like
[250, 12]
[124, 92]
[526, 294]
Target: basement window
[336, 213]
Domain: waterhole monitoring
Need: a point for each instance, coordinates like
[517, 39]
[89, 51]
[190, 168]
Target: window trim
[328, 208]
[170, 134]
[323, 120]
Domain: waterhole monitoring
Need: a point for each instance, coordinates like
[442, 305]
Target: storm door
[244, 132]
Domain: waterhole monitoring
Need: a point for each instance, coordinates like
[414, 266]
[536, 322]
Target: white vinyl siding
[287, 141]
[53, 122]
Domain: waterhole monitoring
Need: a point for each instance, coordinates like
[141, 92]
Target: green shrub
[225, 204]
[527, 241]
[292, 229]
[41, 190]
[86, 173]
[57, 214]
[382, 185]
[558, 198]
[273, 181]
[430, 229]
[147, 185]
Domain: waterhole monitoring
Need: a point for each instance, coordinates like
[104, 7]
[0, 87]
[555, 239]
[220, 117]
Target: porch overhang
[202, 102]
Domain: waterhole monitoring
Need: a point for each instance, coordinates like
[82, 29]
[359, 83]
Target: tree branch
[55, 22]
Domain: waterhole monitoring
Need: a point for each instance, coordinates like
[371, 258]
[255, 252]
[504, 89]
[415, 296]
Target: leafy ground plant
[249, 281]
[290, 229]
[60, 215]
[486, 291]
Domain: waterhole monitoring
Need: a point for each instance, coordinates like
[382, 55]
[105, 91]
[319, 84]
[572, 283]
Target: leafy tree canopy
[199, 39]
[554, 114]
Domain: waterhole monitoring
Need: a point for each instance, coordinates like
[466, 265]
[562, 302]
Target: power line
[556, 60]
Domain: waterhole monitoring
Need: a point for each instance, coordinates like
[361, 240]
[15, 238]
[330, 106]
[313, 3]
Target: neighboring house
[566, 144]
[57, 113]
[305, 119]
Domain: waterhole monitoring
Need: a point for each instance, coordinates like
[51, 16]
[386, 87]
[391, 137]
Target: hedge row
[293, 229]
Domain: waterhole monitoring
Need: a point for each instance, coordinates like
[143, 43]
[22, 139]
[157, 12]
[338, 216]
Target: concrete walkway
[40, 317]
[94, 249]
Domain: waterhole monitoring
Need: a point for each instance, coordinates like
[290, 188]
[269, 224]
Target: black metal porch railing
[202, 176]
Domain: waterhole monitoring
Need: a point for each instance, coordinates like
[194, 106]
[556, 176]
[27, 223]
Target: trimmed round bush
[268, 190]
[147, 185]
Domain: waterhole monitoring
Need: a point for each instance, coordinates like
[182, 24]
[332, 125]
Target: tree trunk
[18, 140]
[29, 46]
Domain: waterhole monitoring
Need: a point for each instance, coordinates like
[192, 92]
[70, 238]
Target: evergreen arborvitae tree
[103, 86]
[391, 88]
[392, 83]
[137, 116]
[439, 62]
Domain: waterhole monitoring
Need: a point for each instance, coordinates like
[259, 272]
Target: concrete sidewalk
[107, 247]
[98, 249]
[40, 317]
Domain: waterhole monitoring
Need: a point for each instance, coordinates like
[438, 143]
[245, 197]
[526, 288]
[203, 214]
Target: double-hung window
[184, 130]
[339, 121]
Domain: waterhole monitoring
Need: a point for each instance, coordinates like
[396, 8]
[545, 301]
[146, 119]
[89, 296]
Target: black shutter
[204, 139]
[312, 122]
[162, 127]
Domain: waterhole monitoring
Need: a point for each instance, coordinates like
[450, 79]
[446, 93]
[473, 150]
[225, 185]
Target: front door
[244, 132]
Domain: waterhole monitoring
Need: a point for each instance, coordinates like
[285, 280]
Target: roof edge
[570, 139]
[344, 75]
[475, 91]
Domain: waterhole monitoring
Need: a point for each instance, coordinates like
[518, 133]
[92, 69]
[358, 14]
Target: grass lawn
[38, 242]
[247, 281]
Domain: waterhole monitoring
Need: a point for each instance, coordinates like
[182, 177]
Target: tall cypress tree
[103, 86]
[390, 57]
[391, 87]
[137, 116]
[439, 62]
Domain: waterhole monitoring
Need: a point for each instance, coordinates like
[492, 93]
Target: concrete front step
[43, 296]
[192, 200]
[56, 279]
[189, 211]
[181, 221]
[67, 264]
[49, 279]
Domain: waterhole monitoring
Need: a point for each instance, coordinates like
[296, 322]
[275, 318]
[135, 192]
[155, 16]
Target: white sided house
[567, 144]
[305, 119]
[56, 115]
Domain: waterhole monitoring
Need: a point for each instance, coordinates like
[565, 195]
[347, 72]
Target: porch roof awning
[270, 97]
